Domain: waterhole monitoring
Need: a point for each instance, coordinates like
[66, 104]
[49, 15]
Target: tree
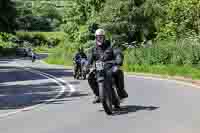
[39, 16]
[7, 16]
[129, 20]
[184, 15]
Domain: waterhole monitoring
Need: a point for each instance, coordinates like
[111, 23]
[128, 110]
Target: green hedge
[165, 52]
[42, 38]
[7, 47]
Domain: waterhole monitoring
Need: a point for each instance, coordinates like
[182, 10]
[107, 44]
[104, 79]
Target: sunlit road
[153, 106]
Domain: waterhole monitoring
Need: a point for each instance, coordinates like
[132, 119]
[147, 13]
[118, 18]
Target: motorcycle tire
[106, 99]
[107, 104]
[84, 76]
[33, 60]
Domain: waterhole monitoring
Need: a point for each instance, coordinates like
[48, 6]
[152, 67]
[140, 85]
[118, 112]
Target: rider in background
[77, 60]
[31, 54]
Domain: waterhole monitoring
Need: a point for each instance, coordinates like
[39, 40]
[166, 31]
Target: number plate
[99, 66]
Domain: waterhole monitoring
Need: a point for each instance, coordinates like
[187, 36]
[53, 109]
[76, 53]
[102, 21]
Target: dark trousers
[110, 73]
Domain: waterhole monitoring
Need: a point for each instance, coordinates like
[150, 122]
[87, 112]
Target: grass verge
[170, 70]
[60, 56]
[43, 49]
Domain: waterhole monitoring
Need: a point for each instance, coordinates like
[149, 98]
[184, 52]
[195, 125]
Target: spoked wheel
[84, 75]
[106, 99]
[78, 75]
[105, 93]
[107, 104]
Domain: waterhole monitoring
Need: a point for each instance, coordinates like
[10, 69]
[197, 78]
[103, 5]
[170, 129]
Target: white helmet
[100, 32]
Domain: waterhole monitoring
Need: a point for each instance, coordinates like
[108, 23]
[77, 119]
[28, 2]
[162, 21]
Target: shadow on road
[6, 70]
[20, 96]
[14, 74]
[132, 109]
[20, 88]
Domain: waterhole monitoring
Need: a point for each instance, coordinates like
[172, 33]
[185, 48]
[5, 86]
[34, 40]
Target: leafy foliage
[7, 46]
[7, 16]
[165, 52]
[38, 17]
[51, 39]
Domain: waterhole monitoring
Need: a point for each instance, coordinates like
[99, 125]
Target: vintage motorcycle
[108, 93]
[81, 73]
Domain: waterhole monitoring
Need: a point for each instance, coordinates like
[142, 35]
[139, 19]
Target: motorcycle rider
[77, 59]
[32, 54]
[103, 51]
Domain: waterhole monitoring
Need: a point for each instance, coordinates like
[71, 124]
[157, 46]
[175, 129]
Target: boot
[96, 100]
[122, 93]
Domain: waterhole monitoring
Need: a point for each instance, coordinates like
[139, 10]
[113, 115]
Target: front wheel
[107, 104]
[78, 74]
[106, 99]
[33, 59]
[84, 76]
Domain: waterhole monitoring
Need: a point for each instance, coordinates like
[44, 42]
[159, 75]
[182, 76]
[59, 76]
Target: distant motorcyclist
[32, 54]
[103, 51]
[79, 56]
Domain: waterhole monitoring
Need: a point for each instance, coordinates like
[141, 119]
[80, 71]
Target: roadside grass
[169, 70]
[60, 56]
[43, 49]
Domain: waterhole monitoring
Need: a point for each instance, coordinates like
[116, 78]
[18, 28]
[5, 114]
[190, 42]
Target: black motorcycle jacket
[105, 53]
[80, 55]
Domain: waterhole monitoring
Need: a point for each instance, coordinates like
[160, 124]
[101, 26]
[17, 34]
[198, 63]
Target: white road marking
[26, 82]
[53, 78]
[71, 87]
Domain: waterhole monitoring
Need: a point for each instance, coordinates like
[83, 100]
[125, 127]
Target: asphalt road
[153, 106]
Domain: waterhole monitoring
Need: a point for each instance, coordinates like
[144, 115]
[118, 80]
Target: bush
[7, 47]
[51, 39]
[164, 53]
[61, 55]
